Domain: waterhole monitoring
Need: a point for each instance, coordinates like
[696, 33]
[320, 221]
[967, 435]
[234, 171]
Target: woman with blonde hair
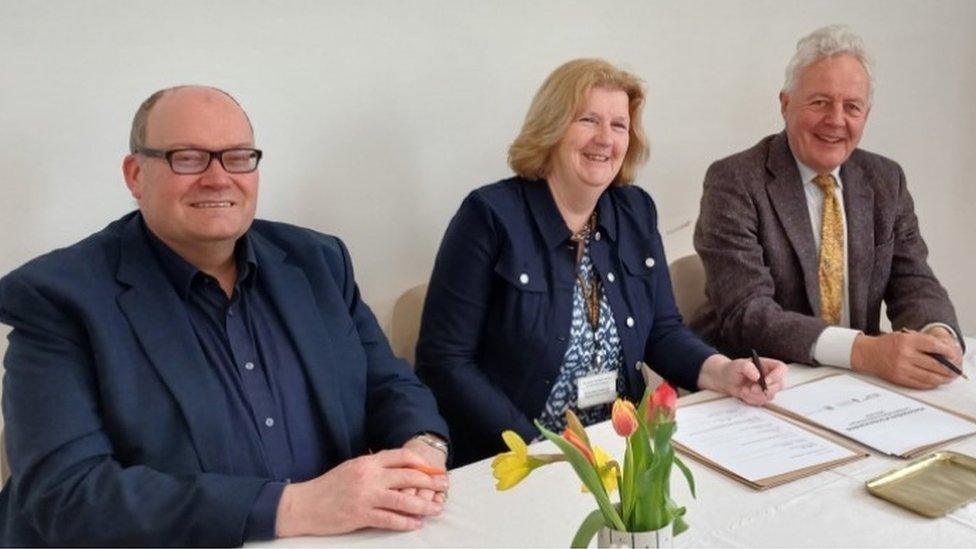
[551, 288]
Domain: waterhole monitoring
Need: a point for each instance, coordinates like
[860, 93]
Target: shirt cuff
[941, 325]
[260, 523]
[834, 346]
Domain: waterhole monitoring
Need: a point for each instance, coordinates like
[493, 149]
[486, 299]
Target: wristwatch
[434, 441]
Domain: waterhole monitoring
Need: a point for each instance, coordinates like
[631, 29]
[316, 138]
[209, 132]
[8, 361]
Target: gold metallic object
[931, 486]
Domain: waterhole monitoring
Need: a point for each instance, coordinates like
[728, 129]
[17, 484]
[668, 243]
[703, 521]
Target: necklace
[586, 230]
[591, 299]
[583, 235]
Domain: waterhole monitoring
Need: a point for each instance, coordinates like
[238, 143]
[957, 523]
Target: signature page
[887, 421]
[752, 442]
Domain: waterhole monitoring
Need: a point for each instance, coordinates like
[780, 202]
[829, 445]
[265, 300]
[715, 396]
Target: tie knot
[825, 182]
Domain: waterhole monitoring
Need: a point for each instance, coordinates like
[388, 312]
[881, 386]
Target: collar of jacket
[551, 223]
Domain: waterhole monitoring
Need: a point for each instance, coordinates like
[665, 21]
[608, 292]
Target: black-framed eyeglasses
[194, 161]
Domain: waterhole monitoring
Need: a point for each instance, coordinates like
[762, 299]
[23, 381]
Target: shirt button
[637, 366]
[524, 278]
[269, 422]
[630, 322]
[597, 235]
[610, 277]
[248, 365]
[230, 312]
[649, 262]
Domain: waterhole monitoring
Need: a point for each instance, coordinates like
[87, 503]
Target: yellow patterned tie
[831, 273]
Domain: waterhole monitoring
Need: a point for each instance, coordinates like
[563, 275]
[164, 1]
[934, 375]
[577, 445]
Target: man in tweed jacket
[759, 236]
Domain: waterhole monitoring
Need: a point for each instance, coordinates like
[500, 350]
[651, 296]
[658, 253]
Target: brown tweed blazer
[754, 237]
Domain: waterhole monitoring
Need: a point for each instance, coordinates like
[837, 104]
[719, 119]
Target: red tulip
[575, 440]
[624, 417]
[665, 399]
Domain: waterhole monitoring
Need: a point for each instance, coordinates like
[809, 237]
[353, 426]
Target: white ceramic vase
[608, 537]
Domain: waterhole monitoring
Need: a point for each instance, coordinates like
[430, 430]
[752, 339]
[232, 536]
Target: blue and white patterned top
[578, 361]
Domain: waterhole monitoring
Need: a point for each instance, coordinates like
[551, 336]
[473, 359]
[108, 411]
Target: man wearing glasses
[192, 376]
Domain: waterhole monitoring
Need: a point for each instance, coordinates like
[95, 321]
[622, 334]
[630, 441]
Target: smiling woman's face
[595, 143]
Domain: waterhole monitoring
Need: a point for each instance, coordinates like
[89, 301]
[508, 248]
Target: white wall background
[378, 117]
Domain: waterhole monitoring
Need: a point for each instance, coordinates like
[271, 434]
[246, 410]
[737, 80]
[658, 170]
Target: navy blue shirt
[497, 317]
[278, 435]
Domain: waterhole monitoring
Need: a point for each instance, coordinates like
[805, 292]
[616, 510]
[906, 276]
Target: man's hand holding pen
[908, 358]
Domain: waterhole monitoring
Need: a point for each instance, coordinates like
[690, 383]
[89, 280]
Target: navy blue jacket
[497, 316]
[114, 433]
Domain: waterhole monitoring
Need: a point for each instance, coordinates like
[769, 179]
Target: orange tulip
[624, 417]
[575, 440]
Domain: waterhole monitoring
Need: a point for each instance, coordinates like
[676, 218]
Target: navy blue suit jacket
[498, 311]
[115, 429]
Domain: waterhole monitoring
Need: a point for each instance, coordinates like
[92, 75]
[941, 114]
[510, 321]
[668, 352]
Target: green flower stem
[588, 474]
[661, 484]
[590, 526]
[538, 460]
[627, 485]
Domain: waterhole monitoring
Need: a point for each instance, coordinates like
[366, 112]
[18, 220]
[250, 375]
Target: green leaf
[587, 473]
[640, 443]
[642, 405]
[678, 526]
[590, 526]
[677, 518]
[687, 473]
[627, 485]
[663, 433]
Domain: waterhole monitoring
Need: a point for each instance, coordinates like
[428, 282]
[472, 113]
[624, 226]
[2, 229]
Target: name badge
[596, 389]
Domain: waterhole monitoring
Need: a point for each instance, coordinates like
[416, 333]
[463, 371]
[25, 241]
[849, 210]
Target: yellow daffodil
[606, 467]
[509, 468]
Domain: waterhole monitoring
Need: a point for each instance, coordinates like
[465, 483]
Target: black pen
[762, 375]
[945, 362]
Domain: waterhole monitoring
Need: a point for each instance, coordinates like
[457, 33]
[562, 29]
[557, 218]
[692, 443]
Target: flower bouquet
[644, 480]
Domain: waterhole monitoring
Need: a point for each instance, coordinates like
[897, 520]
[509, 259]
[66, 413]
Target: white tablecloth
[830, 509]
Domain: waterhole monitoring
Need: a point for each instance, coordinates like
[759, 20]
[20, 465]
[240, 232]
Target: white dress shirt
[834, 345]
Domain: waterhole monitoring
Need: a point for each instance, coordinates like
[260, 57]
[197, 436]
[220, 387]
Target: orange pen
[431, 471]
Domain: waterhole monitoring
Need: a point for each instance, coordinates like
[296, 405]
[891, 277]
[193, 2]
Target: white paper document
[887, 421]
[752, 442]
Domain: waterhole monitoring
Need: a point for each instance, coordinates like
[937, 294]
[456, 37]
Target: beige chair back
[405, 325]
[688, 280]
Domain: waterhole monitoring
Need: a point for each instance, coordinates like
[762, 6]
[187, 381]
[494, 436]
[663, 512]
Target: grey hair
[137, 135]
[826, 42]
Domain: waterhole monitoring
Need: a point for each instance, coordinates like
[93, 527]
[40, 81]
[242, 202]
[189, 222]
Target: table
[829, 509]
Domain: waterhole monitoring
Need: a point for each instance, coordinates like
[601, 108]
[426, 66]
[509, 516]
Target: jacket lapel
[789, 201]
[161, 325]
[859, 211]
[295, 301]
